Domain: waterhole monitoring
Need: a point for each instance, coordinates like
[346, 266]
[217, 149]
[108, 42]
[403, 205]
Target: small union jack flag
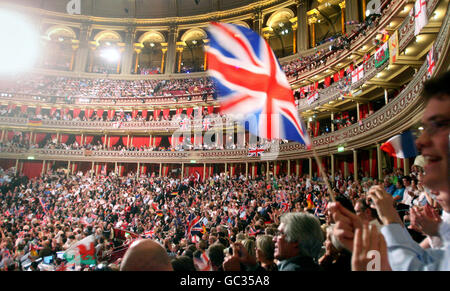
[430, 62]
[185, 124]
[255, 151]
[206, 124]
[251, 85]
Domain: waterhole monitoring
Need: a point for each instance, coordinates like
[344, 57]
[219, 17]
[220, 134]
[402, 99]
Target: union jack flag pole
[251, 85]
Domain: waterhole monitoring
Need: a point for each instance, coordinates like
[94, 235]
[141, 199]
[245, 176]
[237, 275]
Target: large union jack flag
[251, 84]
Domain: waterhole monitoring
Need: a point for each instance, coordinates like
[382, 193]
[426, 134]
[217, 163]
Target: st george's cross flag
[401, 146]
[251, 85]
[358, 74]
[420, 15]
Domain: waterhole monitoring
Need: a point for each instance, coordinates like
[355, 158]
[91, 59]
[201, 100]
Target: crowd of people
[68, 87]
[44, 216]
[237, 223]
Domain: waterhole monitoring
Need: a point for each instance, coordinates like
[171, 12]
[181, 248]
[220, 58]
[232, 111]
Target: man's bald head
[146, 255]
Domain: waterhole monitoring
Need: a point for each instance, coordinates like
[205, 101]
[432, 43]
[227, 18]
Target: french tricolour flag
[401, 146]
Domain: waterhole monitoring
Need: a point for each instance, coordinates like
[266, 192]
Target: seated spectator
[298, 243]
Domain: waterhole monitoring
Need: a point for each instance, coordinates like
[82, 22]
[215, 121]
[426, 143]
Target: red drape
[134, 113]
[189, 111]
[336, 77]
[144, 113]
[125, 140]
[111, 113]
[113, 140]
[156, 113]
[100, 112]
[374, 172]
[32, 169]
[166, 112]
[64, 138]
[327, 81]
[76, 112]
[139, 141]
[88, 139]
[40, 137]
[88, 112]
[157, 141]
[194, 170]
[24, 108]
[38, 110]
[52, 111]
[78, 139]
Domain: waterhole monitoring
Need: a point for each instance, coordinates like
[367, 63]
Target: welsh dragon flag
[382, 55]
[82, 252]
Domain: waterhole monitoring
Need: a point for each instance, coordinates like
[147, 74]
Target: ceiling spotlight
[152, 44]
[14, 29]
[194, 41]
[61, 38]
[111, 55]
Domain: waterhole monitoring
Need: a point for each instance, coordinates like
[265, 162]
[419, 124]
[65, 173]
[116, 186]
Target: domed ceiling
[139, 8]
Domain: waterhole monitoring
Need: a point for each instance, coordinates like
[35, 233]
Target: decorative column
[310, 167]
[17, 167]
[205, 58]
[380, 172]
[171, 50]
[302, 25]
[289, 167]
[127, 57]
[386, 98]
[182, 171]
[406, 167]
[82, 53]
[137, 169]
[72, 59]
[342, 5]
[43, 167]
[332, 166]
[355, 165]
[160, 169]
[246, 169]
[137, 51]
[257, 18]
[119, 63]
[164, 50]
[357, 112]
[116, 169]
[312, 24]
[92, 49]
[332, 123]
[351, 13]
[204, 171]
[345, 169]
[180, 48]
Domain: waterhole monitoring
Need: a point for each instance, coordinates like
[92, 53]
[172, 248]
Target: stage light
[111, 55]
[20, 43]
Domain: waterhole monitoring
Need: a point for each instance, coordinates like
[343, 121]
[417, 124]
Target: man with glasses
[402, 251]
